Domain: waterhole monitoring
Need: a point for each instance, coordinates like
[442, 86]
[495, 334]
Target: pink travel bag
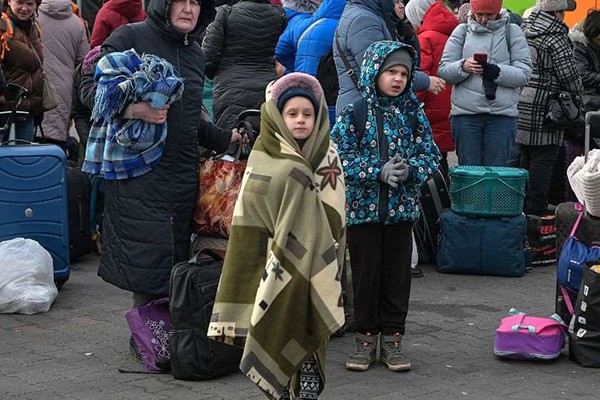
[524, 337]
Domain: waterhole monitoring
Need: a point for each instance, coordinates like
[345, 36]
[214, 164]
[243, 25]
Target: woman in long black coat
[240, 56]
[147, 220]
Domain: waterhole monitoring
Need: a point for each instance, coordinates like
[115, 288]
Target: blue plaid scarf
[125, 148]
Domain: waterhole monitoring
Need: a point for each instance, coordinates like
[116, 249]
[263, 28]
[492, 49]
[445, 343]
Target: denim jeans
[484, 139]
[23, 130]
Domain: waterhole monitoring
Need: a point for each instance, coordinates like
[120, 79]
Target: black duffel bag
[192, 294]
[584, 330]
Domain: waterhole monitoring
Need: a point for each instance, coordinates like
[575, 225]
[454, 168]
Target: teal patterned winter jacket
[403, 129]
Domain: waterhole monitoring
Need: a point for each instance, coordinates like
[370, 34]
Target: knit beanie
[295, 84]
[397, 57]
[551, 5]
[486, 6]
[415, 11]
[295, 92]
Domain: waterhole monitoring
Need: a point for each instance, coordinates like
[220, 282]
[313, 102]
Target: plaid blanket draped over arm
[121, 148]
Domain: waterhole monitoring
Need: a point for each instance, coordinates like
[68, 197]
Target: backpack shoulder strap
[349, 70]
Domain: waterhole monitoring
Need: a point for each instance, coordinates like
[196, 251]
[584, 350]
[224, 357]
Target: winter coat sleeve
[119, 40]
[214, 41]
[346, 140]
[563, 65]
[589, 77]
[82, 47]
[421, 82]
[212, 137]
[426, 59]
[425, 156]
[519, 71]
[285, 52]
[452, 59]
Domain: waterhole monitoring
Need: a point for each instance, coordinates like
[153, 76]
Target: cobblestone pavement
[74, 350]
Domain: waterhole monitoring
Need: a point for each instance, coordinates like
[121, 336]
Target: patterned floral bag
[150, 325]
[220, 181]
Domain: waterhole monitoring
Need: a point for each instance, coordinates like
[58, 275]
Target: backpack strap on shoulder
[359, 116]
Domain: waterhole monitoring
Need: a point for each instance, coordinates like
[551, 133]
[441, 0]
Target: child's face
[393, 81]
[299, 117]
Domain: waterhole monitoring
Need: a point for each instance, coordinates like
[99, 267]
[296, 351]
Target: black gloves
[490, 72]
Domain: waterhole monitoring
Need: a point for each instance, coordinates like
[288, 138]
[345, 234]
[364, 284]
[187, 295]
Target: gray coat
[65, 45]
[148, 219]
[361, 24]
[508, 50]
[553, 70]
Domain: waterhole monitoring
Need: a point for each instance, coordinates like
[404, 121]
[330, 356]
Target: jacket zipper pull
[185, 40]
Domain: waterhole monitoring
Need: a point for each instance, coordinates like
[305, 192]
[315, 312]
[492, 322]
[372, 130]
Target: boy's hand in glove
[393, 172]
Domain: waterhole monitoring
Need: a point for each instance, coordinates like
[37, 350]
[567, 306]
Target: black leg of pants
[539, 161]
[380, 261]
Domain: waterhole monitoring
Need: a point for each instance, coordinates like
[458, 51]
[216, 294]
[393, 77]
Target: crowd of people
[417, 79]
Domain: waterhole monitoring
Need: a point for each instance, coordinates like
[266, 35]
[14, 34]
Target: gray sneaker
[365, 353]
[392, 355]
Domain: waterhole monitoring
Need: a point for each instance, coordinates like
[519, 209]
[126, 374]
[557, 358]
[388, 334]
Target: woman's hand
[472, 67]
[436, 85]
[235, 136]
[146, 113]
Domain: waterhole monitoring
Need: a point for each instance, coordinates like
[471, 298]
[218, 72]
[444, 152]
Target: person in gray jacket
[364, 22]
[488, 61]
[65, 45]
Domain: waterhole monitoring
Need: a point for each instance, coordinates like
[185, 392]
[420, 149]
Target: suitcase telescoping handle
[589, 116]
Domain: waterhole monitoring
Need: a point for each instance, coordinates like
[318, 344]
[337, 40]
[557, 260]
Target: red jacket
[112, 15]
[438, 24]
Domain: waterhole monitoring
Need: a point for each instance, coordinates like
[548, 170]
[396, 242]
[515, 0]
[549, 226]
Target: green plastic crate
[487, 191]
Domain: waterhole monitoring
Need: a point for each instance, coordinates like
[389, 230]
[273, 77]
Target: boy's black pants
[380, 261]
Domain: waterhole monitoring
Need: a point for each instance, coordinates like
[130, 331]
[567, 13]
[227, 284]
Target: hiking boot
[391, 353]
[364, 354]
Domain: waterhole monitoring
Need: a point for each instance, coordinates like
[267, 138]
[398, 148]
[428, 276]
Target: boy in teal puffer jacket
[387, 151]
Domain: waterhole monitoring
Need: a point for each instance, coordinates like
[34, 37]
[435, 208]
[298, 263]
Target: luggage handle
[588, 131]
[516, 327]
[484, 179]
[209, 252]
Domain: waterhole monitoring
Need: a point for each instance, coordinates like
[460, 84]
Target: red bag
[220, 182]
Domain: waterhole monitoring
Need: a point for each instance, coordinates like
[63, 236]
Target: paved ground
[74, 350]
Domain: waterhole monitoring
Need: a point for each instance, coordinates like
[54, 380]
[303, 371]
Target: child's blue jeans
[483, 139]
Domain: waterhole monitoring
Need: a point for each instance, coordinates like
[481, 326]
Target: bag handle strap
[580, 210]
[567, 299]
[349, 70]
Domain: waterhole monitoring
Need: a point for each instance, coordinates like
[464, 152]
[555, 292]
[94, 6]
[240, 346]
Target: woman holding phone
[487, 60]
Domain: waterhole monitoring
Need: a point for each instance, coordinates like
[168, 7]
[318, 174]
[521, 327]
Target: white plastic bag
[26, 277]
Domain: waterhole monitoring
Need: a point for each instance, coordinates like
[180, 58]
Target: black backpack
[328, 78]
[192, 294]
[326, 71]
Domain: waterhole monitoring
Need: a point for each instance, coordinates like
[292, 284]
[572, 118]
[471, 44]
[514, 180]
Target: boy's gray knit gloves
[394, 171]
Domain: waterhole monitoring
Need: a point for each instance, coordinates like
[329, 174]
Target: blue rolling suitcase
[33, 200]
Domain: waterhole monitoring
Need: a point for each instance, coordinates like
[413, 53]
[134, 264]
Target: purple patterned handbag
[150, 325]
